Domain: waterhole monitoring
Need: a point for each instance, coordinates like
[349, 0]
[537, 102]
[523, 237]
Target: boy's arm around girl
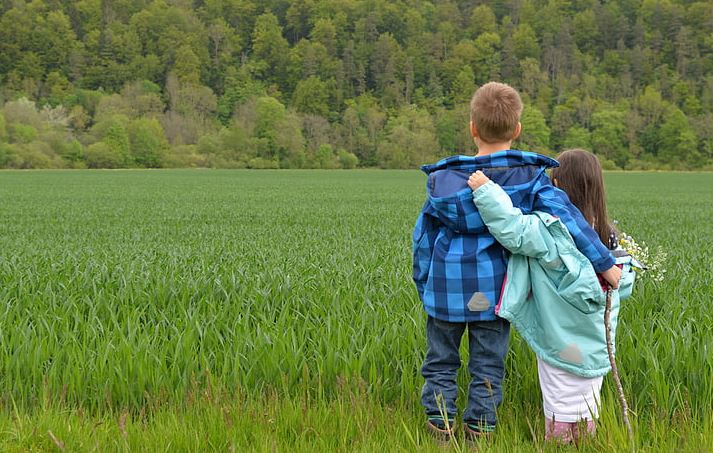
[512, 237]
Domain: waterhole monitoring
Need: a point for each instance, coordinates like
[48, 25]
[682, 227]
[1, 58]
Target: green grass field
[274, 311]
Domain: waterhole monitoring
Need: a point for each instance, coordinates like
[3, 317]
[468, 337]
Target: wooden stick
[615, 371]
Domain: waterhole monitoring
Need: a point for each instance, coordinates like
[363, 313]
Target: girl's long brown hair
[580, 176]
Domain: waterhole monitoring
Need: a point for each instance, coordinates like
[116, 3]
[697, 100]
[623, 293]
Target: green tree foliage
[3, 130]
[241, 83]
[577, 137]
[483, 20]
[22, 133]
[362, 124]
[410, 139]
[535, 134]
[678, 141]
[463, 85]
[311, 96]
[524, 42]
[269, 115]
[187, 66]
[270, 49]
[326, 158]
[148, 142]
[100, 155]
[347, 160]
[117, 141]
[608, 128]
[487, 57]
[239, 87]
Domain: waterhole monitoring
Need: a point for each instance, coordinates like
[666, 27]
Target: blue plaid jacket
[458, 267]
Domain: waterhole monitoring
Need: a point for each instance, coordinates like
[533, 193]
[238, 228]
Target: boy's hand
[612, 276]
[477, 179]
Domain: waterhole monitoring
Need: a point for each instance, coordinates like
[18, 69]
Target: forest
[348, 83]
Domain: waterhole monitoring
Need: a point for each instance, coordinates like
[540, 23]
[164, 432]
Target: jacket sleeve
[520, 234]
[553, 201]
[628, 276]
[424, 236]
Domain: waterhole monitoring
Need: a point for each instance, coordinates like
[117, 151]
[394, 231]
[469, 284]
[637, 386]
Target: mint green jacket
[551, 293]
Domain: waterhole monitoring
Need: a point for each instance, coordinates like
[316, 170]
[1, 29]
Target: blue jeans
[487, 345]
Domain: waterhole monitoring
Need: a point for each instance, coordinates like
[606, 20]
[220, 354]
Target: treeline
[346, 83]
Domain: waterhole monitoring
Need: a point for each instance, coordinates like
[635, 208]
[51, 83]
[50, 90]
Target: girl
[553, 296]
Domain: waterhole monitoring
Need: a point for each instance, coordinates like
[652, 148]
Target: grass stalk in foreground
[353, 421]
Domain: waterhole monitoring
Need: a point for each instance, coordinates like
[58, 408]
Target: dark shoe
[440, 428]
[475, 431]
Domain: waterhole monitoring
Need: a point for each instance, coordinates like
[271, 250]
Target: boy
[459, 268]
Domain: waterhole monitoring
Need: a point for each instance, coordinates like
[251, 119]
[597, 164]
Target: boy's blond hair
[495, 110]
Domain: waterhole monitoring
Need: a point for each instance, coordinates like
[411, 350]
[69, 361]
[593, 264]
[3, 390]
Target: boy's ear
[518, 130]
[555, 182]
[473, 130]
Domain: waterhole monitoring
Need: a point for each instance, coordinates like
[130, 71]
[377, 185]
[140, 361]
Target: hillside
[330, 84]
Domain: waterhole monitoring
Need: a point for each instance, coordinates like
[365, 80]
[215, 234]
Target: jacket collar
[508, 158]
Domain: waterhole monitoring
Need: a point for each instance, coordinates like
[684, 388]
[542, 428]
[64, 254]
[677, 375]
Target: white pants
[567, 397]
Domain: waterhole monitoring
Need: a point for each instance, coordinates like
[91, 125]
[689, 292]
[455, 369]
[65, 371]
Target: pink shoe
[581, 430]
[561, 432]
[568, 432]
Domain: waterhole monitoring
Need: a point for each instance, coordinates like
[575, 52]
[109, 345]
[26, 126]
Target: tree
[535, 134]
[191, 112]
[143, 99]
[446, 127]
[22, 133]
[290, 142]
[224, 47]
[311, 96]
[73, 152]
[269, 115]
[100, 155]
[3, 130]
[117, 142]
[650, 108]
[298, 17]
[608, 135]
[463, 86]
[488, 58]
[239, 87]
[325, 33]
[463, 54]
[326, 158]
[342, 69]
[386, 67]
[533, 79]
[347, 160]
[148, 142]
[56, 88]
[562, 121]
[277, 132]
[577, 137]
[362, 124]
[270, 49]
[312, 59]
[22, 111]
[678, 141]
[410, 139]
[16, 27]
[524, 42]
[482, 20]
[187, 66]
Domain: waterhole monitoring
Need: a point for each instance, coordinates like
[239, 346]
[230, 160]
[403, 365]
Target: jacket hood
[509, 158]
[451, 200]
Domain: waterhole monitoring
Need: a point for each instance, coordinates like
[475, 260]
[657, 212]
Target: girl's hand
[477, 179]
[612, 276]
